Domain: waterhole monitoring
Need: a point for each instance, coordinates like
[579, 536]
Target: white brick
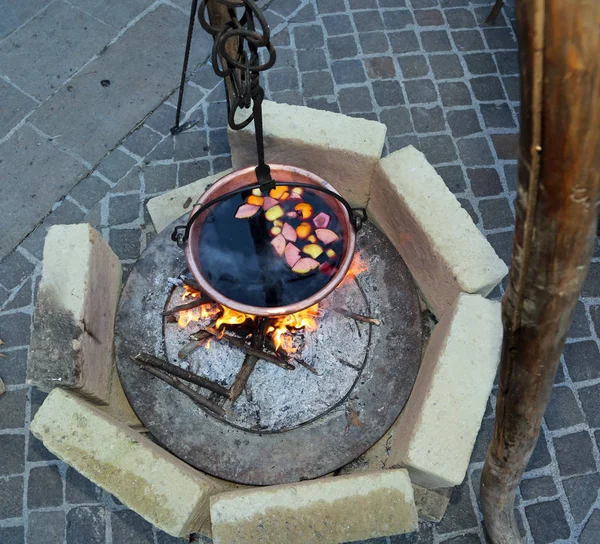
[436, 237]
[164, 209]
[343, 150]
[149, 480]
[436, 432]
[73, 323]
[326, 510]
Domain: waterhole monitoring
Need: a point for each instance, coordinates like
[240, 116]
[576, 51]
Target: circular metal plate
[310, 450]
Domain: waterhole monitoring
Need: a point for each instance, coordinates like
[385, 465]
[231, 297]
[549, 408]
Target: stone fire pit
[387, 468]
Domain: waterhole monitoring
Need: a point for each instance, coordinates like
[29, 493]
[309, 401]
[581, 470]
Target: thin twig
[356, 317]
[192, 346]
[186, 375]
[199, 301]
[196, 397]
[263, 355]
[307, 366]
[249, 363]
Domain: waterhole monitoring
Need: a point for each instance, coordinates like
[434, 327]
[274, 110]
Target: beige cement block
[343, 150]
[324, 511]
[164, 209]
[436, 237]
[431, 503]
[149, 480]
[73, 323]
[442, 417]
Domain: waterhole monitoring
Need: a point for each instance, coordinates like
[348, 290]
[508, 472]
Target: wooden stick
[491, 18]
[262, 355]
[356, 317]
[196, 397]
[249, 363]
[186, 375]
[555, 231]
[307, 366]
[199, 301]
[190, 348]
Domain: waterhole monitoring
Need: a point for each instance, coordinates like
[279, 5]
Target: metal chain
[235, 57]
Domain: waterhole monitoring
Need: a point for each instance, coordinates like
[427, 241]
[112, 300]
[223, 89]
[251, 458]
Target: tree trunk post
[557, 198]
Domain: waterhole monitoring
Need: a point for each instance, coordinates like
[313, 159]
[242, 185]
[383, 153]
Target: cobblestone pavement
[430, 70]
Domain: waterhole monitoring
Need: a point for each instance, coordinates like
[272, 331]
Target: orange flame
[232, 317]
[280, 330]
[306, 319]
[358, 266]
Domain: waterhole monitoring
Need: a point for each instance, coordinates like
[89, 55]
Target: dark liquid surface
[239, 261]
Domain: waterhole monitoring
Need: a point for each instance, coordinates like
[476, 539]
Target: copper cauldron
[247, 179]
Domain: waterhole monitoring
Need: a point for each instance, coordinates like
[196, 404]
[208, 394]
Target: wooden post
[559, 178]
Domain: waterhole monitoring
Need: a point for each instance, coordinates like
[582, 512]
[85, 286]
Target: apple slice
[327, 269]
[275, 231]
[321, 220]
[312, 239]
[305, 265]
[269, 203]
[326, 236]
[313, 250]
[279, 244]
[304, 209]
[289, 232]
[256, 200]
[298, 190]
[292, 254]
[257, 192]
[292, 214]
[303, 230]
[330, 253]
[275, 213]
[246, 210]
[295, 196]
[278, 223]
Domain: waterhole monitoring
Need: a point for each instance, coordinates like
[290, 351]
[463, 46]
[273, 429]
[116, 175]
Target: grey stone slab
[547, 522]
[590, 532]
[538, 487]
[129, 527]
[86, 524]
[45, 487]
[460, 515]
[36, 450]
[43, 54]
[79, 490]
[43, 175]
[14, 106]
[142, 71]
[562, 410]
[11, 498]
[22, 299]
[574, 454]
[14, 270]
[582, 492]
[12, 535]
[13, 368]
[16, 12]
[113, 12]
[12, 460]
[46, 527]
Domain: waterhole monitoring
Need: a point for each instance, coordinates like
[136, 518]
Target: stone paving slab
[142, 67]
[28, 191]
[46, 51]
[16, 13]
[113, 12]
[15, 105]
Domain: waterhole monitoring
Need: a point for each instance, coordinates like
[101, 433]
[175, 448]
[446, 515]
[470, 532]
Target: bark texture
[559, 176]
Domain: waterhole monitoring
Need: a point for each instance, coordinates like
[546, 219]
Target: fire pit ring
[310, 450]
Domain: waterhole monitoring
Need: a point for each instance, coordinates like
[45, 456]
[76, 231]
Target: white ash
[277, 399]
